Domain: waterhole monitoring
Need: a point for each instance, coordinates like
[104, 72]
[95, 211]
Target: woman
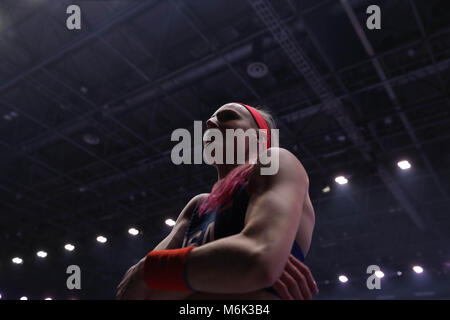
[245, 239]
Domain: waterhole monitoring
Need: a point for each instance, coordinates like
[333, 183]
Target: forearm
[151, 294]
[227, 265]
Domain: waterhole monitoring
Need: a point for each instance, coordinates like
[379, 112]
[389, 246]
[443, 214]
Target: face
[231, 116]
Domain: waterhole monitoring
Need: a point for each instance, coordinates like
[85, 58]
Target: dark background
[86, 118]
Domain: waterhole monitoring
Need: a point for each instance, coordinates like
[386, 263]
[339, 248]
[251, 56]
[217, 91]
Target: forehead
[235, 107]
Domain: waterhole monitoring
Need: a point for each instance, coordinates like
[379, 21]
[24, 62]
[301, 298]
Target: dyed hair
[223, 190]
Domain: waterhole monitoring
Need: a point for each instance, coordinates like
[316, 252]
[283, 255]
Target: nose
[211, 123]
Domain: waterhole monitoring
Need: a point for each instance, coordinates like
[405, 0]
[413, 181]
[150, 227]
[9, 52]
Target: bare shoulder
[288, 161]
[190, 206]
[289, 168]
[198, 199]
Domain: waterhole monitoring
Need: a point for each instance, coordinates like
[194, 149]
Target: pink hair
[223, 190]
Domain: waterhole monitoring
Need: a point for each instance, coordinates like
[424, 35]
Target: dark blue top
[212, 225]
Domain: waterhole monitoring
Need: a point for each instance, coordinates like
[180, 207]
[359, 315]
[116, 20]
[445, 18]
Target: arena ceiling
[86, 119]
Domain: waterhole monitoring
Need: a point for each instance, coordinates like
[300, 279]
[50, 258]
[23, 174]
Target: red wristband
[164, 269]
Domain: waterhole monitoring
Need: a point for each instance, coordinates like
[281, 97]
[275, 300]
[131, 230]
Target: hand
[132, 286]
[296, 281]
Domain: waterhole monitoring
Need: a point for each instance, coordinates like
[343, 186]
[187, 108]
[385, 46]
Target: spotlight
[399, 273]
[0, 295]
[170, 222]
[23, 298]
[404, 164]
[326, 189]
[133, 231]
[101, 239]
[343, 279]
[17, 260]
[41, 254]
[379, 274]
[417, 269]
[69, 247]
[48, 299]
[341, 180]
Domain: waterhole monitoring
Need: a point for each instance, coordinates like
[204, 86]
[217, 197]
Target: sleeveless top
[213, 225]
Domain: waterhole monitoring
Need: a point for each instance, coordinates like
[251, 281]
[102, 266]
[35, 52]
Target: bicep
[274, 211]
[273, 218]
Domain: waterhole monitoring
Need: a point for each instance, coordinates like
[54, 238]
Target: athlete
[244, 240]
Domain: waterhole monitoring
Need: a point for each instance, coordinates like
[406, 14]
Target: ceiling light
[404, 164]
[417, 269]
[17, 260]
[133, 231]
[341, 180]
[69, 247]
[343, 279]
[170, 222]
[101, 239]
[41, 254]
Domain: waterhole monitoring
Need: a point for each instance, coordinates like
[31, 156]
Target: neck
[224, 169]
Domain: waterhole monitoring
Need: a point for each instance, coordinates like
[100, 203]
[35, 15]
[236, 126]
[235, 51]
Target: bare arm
[173, 241]
[255, 258]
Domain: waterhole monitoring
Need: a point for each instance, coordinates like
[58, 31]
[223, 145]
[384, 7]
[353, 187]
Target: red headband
[262, 124]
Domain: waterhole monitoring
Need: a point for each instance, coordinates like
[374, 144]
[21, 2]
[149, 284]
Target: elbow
[266, 270]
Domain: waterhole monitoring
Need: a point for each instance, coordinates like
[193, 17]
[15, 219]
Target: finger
[300, 280]
[306, 272]
[292, 286]
[282, 290]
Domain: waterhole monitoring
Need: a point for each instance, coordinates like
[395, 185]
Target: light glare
[170, 222]
[41, 254]
[133, 231]
[101, 239]
[379, 274]
[418, 269]
[69, 247]
[341, 180]
[404, 164]
[343, 279]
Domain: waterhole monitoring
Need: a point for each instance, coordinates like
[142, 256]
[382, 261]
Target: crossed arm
[256, 257]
